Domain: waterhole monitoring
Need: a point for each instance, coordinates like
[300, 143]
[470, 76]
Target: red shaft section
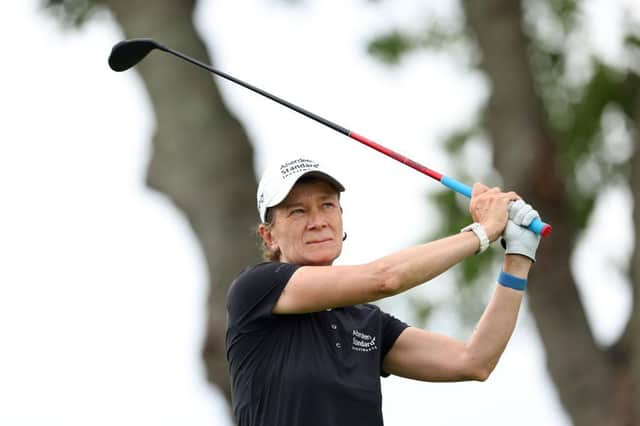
[396, 156]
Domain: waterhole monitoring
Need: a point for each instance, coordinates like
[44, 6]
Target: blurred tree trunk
[630, 341]
[593, 383]
[202, 159]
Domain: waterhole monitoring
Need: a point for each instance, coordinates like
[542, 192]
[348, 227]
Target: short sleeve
[254, 293]
[392, 327]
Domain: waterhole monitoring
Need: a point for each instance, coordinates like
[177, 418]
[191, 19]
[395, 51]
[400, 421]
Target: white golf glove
[516, 238]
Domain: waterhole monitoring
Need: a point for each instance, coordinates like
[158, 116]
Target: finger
[514, 207]
[514, 195]
[528, 218]
[478, 189]
[521, 213]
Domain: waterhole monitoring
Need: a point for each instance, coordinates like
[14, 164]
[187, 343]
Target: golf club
[128, 53]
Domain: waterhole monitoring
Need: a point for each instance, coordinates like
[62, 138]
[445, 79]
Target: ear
[267, 236]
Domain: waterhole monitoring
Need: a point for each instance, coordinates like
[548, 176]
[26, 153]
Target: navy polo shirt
[314, 369]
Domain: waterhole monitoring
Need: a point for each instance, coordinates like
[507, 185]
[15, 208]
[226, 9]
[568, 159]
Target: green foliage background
[578, 104]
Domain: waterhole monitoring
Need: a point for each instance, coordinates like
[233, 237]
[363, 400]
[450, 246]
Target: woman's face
[307, 225]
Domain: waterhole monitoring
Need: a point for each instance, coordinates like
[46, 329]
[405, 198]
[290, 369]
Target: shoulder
[263, 271]
[255, 282]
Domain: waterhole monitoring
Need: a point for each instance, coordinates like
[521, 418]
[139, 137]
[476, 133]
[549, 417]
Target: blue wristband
[512, 281]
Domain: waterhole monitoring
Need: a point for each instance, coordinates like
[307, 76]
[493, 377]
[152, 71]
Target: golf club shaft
[536, 226]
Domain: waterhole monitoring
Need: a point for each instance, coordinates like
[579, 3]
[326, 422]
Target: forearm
[415, 265]
[314, 288]
[497, 323]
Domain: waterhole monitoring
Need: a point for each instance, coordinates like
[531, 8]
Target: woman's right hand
[490, 208]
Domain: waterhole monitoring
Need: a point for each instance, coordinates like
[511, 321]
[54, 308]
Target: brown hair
[267, 254]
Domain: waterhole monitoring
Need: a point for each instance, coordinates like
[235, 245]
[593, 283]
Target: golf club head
[128, 53]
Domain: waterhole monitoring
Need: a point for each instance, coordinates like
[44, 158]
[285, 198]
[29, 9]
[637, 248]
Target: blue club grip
[537, 226]
[459, 187]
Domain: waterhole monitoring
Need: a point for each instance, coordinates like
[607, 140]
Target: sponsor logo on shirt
[363, 342]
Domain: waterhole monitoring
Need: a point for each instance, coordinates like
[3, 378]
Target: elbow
[479, 371]
[481, 374]
[390, 287]
[386, 279]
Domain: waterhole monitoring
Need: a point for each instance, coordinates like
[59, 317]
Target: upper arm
[423, 355]
[315, 288]
[253, 294]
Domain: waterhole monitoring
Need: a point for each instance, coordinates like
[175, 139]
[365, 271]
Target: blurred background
[129, 199]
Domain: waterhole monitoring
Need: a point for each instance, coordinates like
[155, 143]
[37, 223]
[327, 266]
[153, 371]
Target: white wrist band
[478, 230]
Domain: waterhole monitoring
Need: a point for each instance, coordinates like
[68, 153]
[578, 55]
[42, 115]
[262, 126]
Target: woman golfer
[304, 345]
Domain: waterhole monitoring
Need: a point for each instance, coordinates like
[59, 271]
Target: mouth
[321, 241]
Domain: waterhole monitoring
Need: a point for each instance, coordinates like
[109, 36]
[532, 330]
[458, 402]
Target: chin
[324, 257]
[320, 262]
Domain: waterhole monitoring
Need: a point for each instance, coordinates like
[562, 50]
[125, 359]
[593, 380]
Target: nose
[316, 220]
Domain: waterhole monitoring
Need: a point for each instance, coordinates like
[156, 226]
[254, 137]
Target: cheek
[286, 236]
[338, 221]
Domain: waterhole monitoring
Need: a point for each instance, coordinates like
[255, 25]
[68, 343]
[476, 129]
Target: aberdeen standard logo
[363, 342]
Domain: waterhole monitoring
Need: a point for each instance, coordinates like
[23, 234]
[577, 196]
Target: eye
[296, 212]
[328, 205]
